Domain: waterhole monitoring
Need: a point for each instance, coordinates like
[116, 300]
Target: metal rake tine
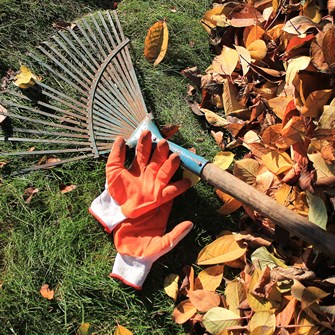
[50, 133]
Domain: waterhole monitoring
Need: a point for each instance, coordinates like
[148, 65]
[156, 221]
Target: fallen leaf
[67, 188]
[223, 159]
[294, 66]
[217, 319]
[214, 119]
[245, 58]
[224, 249]
[262, 258]
[247, 170]
[3, 112]
[232, 106]
[284, 317]
[277, 162]
[191, 176]
[171, 286]
[257, 49]
[235, 293]
[262, 323]
[226, 62]
[210, 278]
[298, 25]
[204, 300]
[328, 47]
[183, 311]
[252, 33]
[121, 330]
[46, 292]
[156, 42]
[85, 329]
[25, 78]
[317, 210]
[169, 130]
[28, 194]
[314, 103]
[230, 203]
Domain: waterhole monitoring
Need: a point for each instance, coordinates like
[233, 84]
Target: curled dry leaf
[183, 311]
[67, 188]
[25, 78]
[156, 42]
[28, 194]
[46, 292]
[257, 49]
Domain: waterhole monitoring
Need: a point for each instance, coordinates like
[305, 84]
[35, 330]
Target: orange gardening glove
[141, 241]
[146, 185]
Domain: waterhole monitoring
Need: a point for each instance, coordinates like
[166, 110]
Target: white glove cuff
[106, 211]
[131, 270]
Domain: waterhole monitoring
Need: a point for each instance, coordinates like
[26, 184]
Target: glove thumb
[172, 238]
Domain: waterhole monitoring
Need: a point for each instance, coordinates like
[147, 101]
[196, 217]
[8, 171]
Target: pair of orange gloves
[136, 205]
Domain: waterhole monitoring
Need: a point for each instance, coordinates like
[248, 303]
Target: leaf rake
[98, 98]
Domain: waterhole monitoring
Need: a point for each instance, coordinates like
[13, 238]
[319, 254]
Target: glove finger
[168, 169]
[117, 155]
[174, 189]
[142, 153]
[159, 246]
[160, 155]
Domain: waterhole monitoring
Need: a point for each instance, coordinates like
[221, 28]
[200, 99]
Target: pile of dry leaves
[269, 89]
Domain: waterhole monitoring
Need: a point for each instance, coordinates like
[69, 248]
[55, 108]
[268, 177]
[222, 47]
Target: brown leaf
[285, 316]
[244, 15]
[183, 311]
[61, 25]
[67, 188]
[46, 292]
[328, 47]
[204, 300]
[188, 281]
[156, 42]
[28, 194]
[169, 130]
[314, 103]
[210, 278]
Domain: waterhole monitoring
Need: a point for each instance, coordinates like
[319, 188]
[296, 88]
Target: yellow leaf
[217, 319]
[210, 278]
[224, 249]
[85, 329]
[183, 311]
[226, 62]
[25, 78]
[252, 34]
[156, 42]
[257, 49]
[46, 292]
[262, 323]
[120, 330]
[223, 159]
[191, 176]
[204, 300]
[246, 169]
[277, 162]
[214, 119]
[314, 103]
[235, 293]
[171, 286]
[230, 204]
[215, 16]
[231, 104]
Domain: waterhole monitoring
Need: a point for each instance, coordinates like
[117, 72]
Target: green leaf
[317, 210]
[262, 258]
[217, 319]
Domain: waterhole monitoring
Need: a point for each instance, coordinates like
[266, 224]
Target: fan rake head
[95, 96]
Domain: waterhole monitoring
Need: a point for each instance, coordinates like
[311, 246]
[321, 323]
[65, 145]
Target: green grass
[53, 239]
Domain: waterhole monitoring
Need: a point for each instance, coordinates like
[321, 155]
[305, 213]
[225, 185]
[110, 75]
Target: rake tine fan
[97, 96]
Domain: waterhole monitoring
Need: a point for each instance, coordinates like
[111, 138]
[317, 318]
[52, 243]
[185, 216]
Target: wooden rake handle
[278, 214]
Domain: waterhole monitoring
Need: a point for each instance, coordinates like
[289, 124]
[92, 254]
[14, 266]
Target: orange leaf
[230, 204]
[252, 33]
[46, 292]
[210, 278]
[226, 62]
[204, 300]
[285, 316]
[315, 101]
[183, 311]
[277, 162]
[120, 330]
[224, 249]
[156, 42]
[67, 188]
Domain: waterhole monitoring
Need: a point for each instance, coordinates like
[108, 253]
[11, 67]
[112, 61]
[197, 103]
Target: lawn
[53, 239]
